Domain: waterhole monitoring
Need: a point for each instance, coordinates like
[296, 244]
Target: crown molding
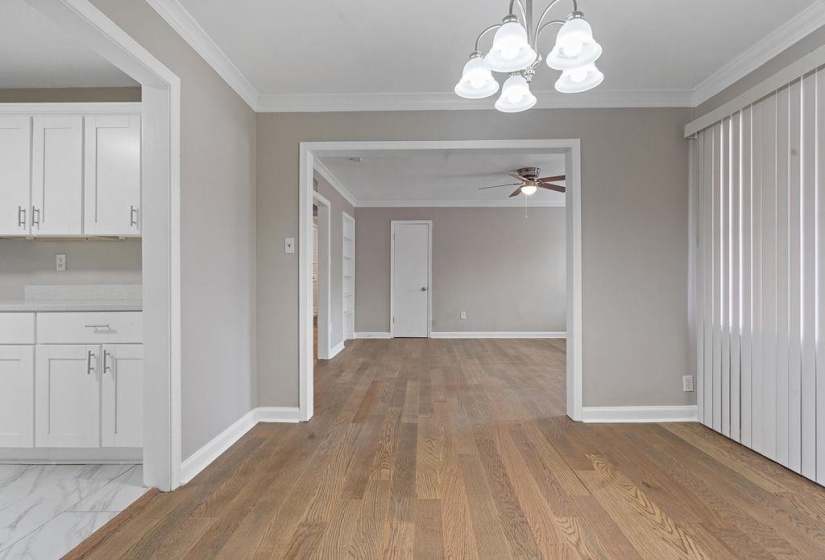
[790, 33]
[324, 172]
[179, 18]
[597, 99]
[506, 203]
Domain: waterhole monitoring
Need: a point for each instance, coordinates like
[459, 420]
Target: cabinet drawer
[90, 328]
[16, 328]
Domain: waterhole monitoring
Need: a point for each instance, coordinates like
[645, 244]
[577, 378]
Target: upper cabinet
[15, 174]
[70, 175]
[57, 175]
[112, 182]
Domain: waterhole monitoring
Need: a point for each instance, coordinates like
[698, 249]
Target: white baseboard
[639, 414]
[283, 414]
[373, 335]
[498, 335]
[335, 350]
[204, 456]
[71, 456]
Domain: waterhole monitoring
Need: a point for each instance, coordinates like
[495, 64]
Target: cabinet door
[15, 174]
[57, 175]
[16, 396]
[67, 396]
[112, 175]
[122, 394]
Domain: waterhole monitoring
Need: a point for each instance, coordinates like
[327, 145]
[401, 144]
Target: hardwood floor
[460, 449]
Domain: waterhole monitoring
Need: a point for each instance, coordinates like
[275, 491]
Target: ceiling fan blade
[516, 192]
[552, 187]
[498, 186]
[554, 178]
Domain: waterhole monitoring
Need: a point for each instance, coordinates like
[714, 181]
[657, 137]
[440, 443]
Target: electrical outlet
[687, 383]
[463, 315]
[289, 245]
[60, 263]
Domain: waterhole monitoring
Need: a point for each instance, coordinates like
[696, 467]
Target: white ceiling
[37, 53]
[441, 177]
[654, 50]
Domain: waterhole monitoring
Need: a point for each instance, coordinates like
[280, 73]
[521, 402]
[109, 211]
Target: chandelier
[514, 52]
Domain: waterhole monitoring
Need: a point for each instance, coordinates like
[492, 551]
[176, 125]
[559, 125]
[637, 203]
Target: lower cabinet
[16, 396]
[88, 395]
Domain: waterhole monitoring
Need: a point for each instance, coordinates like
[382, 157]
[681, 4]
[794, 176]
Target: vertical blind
[759, 194]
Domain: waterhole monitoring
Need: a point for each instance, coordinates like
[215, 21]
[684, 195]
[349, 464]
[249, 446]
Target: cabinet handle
[36, 216]
[21, 216]
[99, 326]
[106, 366]
[133, 216]
[89, 362]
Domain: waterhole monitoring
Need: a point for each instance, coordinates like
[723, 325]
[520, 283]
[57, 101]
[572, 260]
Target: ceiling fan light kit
[514, 52]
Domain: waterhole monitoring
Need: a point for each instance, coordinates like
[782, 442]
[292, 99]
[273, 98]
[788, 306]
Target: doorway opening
[320, 277]
[571, 151]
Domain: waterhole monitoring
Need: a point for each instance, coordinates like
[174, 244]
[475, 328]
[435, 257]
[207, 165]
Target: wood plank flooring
[461, 449]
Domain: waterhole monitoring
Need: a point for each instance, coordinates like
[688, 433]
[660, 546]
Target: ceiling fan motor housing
[530, 173]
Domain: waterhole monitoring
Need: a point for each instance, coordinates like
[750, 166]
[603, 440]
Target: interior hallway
[460, 448]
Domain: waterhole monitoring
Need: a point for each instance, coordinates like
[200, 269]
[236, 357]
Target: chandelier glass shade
[514, 52]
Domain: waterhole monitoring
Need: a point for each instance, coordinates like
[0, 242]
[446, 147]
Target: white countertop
[32, 306]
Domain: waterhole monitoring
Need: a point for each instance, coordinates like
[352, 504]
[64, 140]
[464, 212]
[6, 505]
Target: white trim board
[190, 30]
[807, 63]
[160, 168]
[335, 350]
[324, 172]
[535, 203]
[373, 335]
[639, 414]
[311, 151]
[71, 108]
[444, 334]
[218, 445]
[790, 33]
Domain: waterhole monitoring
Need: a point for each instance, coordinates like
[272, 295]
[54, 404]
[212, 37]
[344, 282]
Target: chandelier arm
[521, 7]
[483, 33]
[547, 10]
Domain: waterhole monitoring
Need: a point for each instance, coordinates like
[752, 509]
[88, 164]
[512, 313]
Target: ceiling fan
[530, 182]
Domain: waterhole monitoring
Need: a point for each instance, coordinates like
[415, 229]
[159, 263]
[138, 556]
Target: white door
[57, 175]
[112, 175]
[16, 396]
[15, 174]
[411, 279]
[122, 395]
[67, 396]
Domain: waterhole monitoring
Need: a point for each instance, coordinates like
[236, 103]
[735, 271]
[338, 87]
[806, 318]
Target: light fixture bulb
[477, 81]
[529, 189]
[575, 46]
[511, 51]
[578, 80]
[515, 95]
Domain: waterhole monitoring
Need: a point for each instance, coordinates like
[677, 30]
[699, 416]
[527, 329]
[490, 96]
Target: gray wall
[70, 95]
[506, 271]
[338, 205]
[217, 230]
[783, 59]
[24, 262]
[635, 237]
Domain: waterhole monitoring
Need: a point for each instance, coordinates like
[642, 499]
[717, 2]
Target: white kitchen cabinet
[16, 396]
[122, 395]
[57, 175]
[67, 395]
[112, 175]
[15, 174]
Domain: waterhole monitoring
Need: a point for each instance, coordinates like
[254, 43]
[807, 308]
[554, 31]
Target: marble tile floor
[47, 510]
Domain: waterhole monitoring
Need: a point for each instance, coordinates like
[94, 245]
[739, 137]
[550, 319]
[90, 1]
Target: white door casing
[15, 174]
[57, 175]
[410, 267]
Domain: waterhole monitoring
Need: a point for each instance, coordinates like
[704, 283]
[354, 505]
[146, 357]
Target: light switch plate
[463, 315]
[60, 263]
[289, 245]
